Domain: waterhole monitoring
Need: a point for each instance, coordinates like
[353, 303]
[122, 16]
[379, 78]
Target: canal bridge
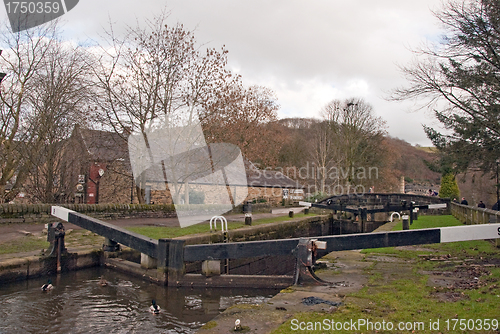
[377, 202]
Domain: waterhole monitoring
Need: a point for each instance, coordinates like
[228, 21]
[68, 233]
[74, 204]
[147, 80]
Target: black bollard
[248, 219]
[406, 222]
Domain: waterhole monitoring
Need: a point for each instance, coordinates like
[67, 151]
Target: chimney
[127, 130]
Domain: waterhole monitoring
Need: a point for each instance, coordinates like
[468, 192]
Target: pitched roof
[104, 145]
[110, 146]
[270, 179]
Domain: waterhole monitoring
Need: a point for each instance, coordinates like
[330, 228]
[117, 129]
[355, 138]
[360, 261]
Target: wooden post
[162, 257]
[171, 259]
[362, 217]
[176, 268]
[411, 213]
[162, 260]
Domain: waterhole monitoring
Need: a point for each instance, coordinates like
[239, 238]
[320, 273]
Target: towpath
[345, 270]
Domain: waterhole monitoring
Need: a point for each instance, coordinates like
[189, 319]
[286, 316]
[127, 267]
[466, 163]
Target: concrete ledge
[316, 225]
[33, 266]
[228, 281]
[153, 275]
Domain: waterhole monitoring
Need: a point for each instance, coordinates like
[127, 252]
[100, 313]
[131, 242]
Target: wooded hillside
[395, 159]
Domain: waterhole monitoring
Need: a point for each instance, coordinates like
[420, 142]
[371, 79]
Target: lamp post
[314, 176]
[2, 75]
[498, 190]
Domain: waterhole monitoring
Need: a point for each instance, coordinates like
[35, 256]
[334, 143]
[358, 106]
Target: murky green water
[78, 304]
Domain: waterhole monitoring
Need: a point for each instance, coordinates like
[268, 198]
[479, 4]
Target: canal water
[79, 304]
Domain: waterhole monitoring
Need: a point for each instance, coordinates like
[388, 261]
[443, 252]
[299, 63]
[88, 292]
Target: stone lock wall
[40, 213]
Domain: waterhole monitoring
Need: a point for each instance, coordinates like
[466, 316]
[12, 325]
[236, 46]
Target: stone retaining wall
[35, 266]
[40, 213]
[274, 265]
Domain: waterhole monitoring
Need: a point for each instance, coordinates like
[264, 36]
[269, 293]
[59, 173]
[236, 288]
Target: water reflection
[79, 304]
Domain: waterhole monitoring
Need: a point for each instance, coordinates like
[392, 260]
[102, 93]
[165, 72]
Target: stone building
[98, 166]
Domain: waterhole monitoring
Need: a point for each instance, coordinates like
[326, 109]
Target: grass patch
[396, 294]
[280, 219]
[410, 302]
[430, 222]
[159, 232]
[209, 325]
[24, 244]
[287, 290]
[34, 243]
[437, 249]
[407, 301]
[430, 149]
[83, 238]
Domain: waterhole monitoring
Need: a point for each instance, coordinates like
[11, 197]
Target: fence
[471, 215]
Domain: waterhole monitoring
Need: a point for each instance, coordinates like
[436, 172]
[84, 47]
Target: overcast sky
[308, 52]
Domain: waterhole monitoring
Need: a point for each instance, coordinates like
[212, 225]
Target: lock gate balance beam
[172, 254]
[235, 250]
[115, 233]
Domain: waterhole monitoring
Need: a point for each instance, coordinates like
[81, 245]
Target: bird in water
[47, 286]
[103, 282]
[154, 308]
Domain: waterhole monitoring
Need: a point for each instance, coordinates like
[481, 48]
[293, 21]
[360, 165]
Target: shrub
[449, 187]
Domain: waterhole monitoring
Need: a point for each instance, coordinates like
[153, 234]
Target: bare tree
[156, 79]
[59, 102]
[38, 96]
[322, 153]
[246, 117]
[347, 143]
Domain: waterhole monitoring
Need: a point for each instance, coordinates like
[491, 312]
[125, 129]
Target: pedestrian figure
[481, 205]
[464, 201]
